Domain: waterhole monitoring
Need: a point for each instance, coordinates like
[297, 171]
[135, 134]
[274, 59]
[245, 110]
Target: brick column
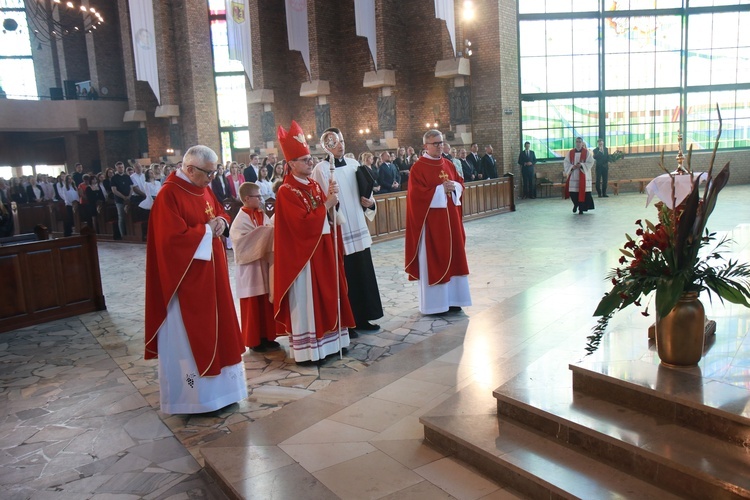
[105, 54]
[194, 63]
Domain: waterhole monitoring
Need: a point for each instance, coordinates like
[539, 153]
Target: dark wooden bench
[642, 183]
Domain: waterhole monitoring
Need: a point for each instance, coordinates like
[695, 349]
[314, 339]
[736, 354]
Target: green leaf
[712, 194]
[609, 303]
[668, 293]
[728, 291]
[626, 253]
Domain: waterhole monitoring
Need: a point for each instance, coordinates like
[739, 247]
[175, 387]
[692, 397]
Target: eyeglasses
[209, 173]
[308, 160]
[440, 143]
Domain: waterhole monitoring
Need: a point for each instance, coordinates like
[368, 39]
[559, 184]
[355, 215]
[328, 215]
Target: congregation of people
[132, 188]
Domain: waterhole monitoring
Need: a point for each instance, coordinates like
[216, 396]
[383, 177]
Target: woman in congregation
[152, 189]
[95, 198]
[278, 172]
[100, 182]
[366, 159]
[235, 180]
[107, 183]
[34, 191]
[269, 168]
[266, 188]
[69, 193]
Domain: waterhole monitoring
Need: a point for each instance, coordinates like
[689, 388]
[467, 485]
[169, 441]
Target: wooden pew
[642, 183]
[47, 280]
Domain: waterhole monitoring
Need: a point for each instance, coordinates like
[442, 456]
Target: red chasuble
[445, 237]
[298, 239]
[175, 229]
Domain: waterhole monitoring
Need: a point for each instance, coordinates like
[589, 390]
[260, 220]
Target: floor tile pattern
[80, 405]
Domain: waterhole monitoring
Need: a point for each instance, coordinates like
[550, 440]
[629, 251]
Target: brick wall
[115, 146]
[104, 50]
[164, 33]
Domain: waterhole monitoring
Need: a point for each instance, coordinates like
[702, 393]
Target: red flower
[639, 232]
[622, 260]
[639, 223]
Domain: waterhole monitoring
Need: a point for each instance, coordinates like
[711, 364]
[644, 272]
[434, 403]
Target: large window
[231, 95]
[16, 67]
[636, 72]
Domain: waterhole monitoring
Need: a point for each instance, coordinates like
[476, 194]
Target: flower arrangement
[670, 257]
[617, 155]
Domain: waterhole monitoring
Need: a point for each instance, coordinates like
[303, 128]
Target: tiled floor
[80, 412]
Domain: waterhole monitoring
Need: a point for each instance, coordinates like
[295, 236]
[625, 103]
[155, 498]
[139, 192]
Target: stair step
[531, 463]
[651, 447]
[681, 396]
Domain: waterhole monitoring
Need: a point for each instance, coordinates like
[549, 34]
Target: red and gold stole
[581, 175]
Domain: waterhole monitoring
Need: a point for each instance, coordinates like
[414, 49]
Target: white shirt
[139, 180]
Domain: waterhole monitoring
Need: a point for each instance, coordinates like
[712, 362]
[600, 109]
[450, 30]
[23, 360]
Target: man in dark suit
[78, 174]
[488, 164]
[601, 155]
[527, 160]
[251, 171]
[389, 178]
[474, 162]
[468, 170]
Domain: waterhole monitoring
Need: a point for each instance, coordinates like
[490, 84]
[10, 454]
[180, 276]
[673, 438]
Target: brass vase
[680, 334]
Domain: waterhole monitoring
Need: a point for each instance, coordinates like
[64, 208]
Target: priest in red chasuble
[435, 238]
[191, 322]
[577, 166]
[305, 288]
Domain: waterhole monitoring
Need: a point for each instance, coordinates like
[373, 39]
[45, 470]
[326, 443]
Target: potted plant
[677, 258]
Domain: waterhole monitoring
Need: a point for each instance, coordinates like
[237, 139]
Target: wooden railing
[480, 199]
[47, 280]
[51, 214]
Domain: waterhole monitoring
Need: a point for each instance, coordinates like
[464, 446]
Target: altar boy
[252, 241]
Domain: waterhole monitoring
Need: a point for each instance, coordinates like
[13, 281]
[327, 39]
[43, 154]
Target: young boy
[252, 240]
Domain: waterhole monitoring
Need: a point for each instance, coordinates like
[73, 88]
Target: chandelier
[56, 19]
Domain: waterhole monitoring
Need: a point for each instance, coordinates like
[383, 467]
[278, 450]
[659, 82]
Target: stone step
[532, 464]
[679, 395]
[652, 448]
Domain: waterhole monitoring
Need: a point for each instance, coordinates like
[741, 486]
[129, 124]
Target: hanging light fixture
[53, 20]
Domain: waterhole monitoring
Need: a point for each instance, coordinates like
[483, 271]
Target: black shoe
[353, 334]
[580, 212]
[454, 309]
[259, 348]
[367, 326]
[605, 196]
[270, 344]
[574, 209]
